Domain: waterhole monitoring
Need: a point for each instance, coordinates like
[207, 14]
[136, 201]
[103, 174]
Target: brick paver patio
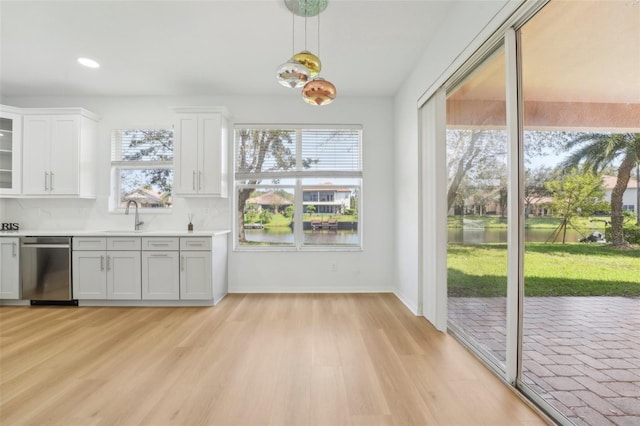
[581, 354]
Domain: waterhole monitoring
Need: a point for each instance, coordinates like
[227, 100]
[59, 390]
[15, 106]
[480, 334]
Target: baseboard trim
[412, 307]
[287, 290]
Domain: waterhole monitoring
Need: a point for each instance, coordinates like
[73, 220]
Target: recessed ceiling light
[90, 63]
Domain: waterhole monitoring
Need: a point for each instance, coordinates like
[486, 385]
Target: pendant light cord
[293, 33]
[305, 24]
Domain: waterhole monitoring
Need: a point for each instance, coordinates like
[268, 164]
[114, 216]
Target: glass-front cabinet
[10, 152]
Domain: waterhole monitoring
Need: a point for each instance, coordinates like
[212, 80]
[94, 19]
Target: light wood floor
[345, 359]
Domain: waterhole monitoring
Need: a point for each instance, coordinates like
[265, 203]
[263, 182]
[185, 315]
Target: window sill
[263, 249]
[142, 211]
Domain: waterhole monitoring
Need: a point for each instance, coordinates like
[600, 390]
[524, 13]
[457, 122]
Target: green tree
[288, 212]
[151, 145]
[261, 151]
[575, 194]
[475, 156]
[596, 151]
[534, 186]
[311, 209]
[265, 216]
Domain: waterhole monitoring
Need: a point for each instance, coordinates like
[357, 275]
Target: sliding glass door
[477, 209]
[550, 117]
[581, 96]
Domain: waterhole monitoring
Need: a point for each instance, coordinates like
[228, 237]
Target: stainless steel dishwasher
[45, 268]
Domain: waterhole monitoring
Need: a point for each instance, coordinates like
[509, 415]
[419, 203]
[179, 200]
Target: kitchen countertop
[112, 233]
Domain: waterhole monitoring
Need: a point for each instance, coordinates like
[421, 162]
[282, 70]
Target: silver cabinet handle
[14, 252]
[193, 181]
[182, 263]
[51, 181]
[102, 263]
[199, 180]
[46, 181]
[159, 255]
[108, 263]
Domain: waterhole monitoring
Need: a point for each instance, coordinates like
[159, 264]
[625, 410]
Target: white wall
[456, 33]
[367, 270]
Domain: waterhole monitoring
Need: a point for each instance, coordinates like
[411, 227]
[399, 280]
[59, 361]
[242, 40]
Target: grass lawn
[278, 221]
[550, 270]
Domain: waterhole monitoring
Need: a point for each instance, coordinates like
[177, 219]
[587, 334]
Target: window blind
[334, 150]
[142, 146]
[269, 153]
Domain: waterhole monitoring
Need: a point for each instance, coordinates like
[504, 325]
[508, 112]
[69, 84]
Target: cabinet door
[10, 268]
[64, 169]
[185, 174]
[210, 160]
[124, 279]
[36, 155]
[160, 275]
[195, 275]
[10, 153]
[89, 275]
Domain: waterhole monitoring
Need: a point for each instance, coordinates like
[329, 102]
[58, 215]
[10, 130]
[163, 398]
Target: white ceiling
[210, 47]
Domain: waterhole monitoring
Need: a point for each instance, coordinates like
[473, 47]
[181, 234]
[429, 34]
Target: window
[298, 187]
[141, 168]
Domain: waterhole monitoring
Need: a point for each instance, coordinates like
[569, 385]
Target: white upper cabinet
[201, 139]
[10, 150]
[59, 152]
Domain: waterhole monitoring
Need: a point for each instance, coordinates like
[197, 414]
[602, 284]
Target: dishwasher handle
[38, 245]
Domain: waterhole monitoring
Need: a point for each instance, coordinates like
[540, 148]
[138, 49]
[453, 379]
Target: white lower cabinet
[147, 268]
[9, 268]
[124, 281]
[89, 276]
[195, 275]
[160, 275]
[106, 274]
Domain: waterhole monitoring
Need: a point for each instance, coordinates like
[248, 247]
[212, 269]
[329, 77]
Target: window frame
[297, 175]
[116, 166]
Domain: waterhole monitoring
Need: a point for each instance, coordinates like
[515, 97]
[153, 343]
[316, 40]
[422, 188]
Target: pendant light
[303, 68]
[293, 73]
[319, 91]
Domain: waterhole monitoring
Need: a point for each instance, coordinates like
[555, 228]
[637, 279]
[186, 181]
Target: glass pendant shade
[292, 74]
[306, 7]
[309, 60]
[319, 92]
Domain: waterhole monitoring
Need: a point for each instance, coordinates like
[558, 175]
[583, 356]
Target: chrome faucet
[137, 218]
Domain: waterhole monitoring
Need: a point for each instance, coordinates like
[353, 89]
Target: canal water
[285, 236]
[499, 235]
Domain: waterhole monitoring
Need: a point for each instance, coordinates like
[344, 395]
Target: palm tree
[599, 150]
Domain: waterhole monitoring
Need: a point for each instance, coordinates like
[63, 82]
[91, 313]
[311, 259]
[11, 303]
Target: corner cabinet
[201, 140]
[59, 152]
[10, 150]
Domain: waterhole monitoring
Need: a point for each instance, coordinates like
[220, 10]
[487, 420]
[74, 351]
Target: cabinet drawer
[160, 243]
[195, 243]
[89, 243]
[124, 243]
